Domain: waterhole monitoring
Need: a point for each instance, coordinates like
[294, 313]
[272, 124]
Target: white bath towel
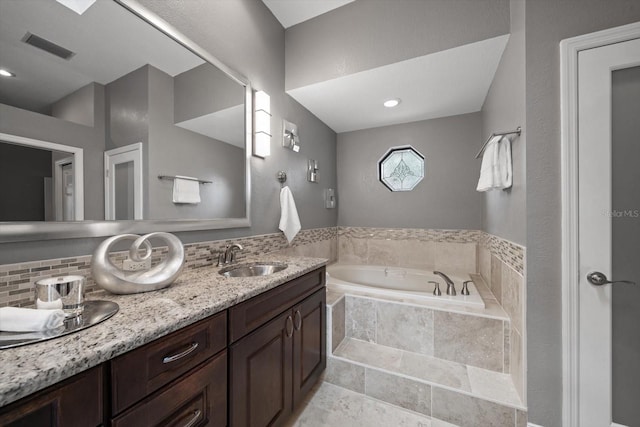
[186, 190]
[289, 219]
[15, 319]
[496, 168]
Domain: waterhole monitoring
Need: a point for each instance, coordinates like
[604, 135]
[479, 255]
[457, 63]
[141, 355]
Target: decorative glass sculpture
[401, 168]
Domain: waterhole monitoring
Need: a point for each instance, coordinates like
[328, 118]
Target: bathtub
[398, 282]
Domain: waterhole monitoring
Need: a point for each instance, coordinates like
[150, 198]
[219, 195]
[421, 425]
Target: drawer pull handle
[178, 356]
[288, 326]
[297, 320]
[194, 419]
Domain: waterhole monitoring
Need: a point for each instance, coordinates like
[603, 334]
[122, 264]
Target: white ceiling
[108, 40]
[292, 12]
[446, 83]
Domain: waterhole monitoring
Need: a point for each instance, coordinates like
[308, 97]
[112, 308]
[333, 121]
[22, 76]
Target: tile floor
[332, 406]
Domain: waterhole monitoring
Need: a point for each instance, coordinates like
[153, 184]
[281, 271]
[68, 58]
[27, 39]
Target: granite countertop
[142, 318]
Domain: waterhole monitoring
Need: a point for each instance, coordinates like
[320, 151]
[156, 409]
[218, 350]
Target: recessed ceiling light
[6, 73]
[390, 103]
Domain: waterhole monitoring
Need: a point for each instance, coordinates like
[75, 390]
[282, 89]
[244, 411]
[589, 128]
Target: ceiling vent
[47, 46]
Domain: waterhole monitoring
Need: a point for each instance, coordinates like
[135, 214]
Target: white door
[64, 190]
[597, 211]
[123, 183]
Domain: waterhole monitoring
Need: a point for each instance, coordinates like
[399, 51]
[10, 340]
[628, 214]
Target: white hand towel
[504, 169]
[289, 219]
[186, 190]
[489, 163]
[14, 319]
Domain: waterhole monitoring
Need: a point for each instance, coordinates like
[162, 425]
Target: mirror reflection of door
[64, 189]
[123, 183]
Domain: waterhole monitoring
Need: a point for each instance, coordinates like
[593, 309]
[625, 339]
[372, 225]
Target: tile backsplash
[17, 280]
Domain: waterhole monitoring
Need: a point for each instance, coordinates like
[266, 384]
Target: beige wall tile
[383, 252]
[496, 278]
[403, 392]
[465, 410]
[484, 263]
[517, 363]
[352, 250]
[512, 296]
[405, 327]
[521, 419]
[471, 340]
[457, 256]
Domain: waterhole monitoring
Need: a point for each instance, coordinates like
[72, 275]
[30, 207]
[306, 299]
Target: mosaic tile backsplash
[17, 280]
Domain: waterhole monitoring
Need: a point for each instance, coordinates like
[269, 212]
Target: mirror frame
[40, 230]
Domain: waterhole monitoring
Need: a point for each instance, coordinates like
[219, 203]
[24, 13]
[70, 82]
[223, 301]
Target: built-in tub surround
[498, 261]
[17, 280]
[444, 362]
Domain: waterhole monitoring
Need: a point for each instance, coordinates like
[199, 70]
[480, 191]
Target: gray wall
[77, 107]
[446, 197]
[370, 33]
[625, 105]
[504, 212]
[247, 37]
[16, 121]
[203, 90]
[546, 23]
[176, 151]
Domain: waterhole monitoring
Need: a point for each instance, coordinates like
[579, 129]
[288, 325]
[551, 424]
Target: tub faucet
[228, 256]
[451, 288]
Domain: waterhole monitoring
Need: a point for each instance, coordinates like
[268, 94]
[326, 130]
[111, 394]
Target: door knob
[599, 279]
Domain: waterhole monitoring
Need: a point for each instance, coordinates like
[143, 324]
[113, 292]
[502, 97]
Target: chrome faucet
[228, 256]
[451, 288]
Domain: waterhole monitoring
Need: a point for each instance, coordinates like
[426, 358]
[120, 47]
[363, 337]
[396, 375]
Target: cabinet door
[74, 402]
[309, 344]
[260, 375]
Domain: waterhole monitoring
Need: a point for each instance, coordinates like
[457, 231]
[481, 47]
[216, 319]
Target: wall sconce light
[312, 170]
[262, 125]
[290, 137]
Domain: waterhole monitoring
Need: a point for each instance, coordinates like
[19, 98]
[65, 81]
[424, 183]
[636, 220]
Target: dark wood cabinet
[250, 366]
[273, 368]
[77, 401]
[198, 398]
[309, 344]
[142, 371]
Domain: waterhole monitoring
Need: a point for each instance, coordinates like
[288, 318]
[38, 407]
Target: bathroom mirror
[106, 106]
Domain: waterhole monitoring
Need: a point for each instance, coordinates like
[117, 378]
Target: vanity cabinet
[180, 379]
[77, 401]
[276, 358]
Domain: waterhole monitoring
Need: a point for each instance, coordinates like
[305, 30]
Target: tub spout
[451, 288]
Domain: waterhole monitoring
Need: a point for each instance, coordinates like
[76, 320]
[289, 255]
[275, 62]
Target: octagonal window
[401, 168]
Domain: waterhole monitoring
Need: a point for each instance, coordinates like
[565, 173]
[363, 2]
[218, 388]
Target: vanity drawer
[142, 371]
[197, 399]
[251, 314]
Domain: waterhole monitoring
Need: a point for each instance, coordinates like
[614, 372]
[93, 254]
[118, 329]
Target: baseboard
[618, 425]
[533, 425]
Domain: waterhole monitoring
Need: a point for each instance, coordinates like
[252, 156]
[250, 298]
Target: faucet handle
[465, 287]
[436, 289]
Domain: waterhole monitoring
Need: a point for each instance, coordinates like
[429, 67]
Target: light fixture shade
[261, 144]
[263, 102]
[262, 125]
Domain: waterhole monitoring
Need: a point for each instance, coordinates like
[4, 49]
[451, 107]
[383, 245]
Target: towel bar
[201, 181]
[518, 132]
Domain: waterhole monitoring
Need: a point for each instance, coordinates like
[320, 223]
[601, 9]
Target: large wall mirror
[104, 106]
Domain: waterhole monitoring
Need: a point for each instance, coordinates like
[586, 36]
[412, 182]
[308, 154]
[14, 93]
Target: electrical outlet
[130, 265]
